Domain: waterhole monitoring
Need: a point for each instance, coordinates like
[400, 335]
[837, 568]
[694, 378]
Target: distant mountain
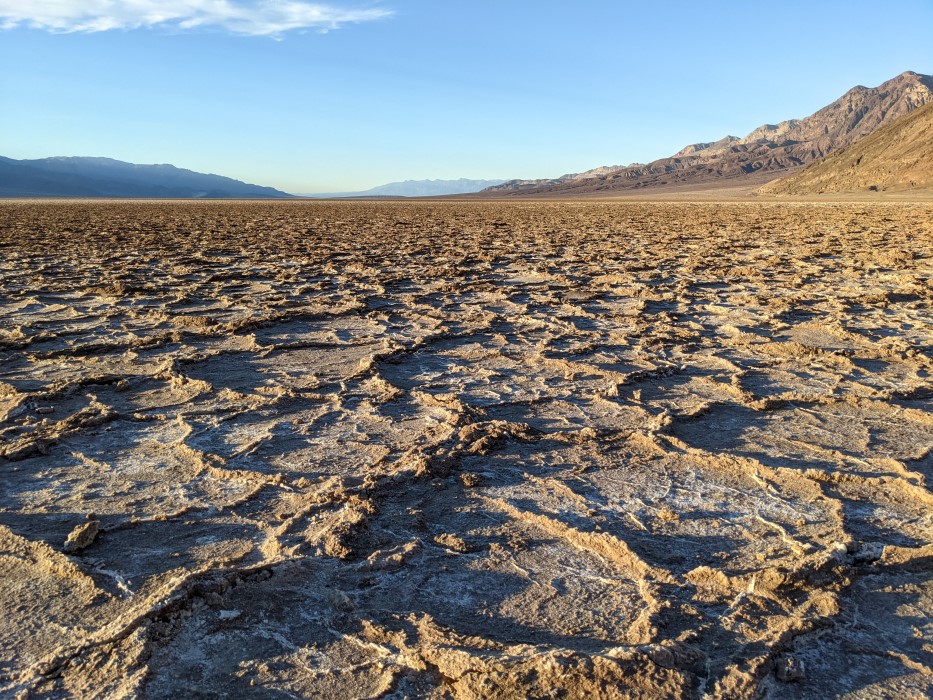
[105, 177]
[771, 148]
[896, 157]
[419, 188]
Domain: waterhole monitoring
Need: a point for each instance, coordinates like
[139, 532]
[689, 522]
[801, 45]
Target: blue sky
[317, 97]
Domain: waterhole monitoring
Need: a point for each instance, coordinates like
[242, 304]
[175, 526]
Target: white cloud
[255, 18]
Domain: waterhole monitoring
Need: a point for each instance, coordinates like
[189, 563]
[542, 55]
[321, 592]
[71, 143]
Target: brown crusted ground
[466, 450]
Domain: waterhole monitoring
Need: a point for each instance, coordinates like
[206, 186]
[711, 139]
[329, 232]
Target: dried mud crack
[466, 450]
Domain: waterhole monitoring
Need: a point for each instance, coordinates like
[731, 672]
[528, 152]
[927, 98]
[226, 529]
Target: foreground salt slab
[466, 450]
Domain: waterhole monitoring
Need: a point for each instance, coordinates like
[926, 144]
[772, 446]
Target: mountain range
[418, 188]
[767, 152]
[105, 177]
[876, 138]
[896, 157]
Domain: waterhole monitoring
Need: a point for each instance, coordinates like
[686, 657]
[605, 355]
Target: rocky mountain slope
[779, 148]
[105, 177]
[898, 156]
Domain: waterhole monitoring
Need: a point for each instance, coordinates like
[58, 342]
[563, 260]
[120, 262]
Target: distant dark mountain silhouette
[105, 177]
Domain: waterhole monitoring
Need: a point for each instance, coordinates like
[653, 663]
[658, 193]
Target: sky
[346, 95]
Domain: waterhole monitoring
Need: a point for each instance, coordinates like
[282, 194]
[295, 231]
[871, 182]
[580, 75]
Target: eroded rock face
[459, 450]
[896, 158]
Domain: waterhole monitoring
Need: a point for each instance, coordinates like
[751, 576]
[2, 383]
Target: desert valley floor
[466, 449]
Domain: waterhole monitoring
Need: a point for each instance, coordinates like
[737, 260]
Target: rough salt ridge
[461, 450]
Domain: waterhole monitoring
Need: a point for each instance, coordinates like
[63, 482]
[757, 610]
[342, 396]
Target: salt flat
[466, 449]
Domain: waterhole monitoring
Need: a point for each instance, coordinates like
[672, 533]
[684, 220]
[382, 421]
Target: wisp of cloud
[255, 18]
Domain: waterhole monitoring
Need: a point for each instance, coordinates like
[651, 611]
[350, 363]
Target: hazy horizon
[311, 97]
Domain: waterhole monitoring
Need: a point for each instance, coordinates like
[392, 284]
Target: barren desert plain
[524, 449]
